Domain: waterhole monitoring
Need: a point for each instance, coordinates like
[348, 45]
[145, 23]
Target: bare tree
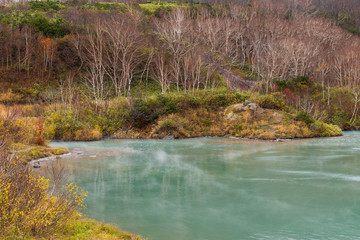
[91, 50]
[123, 52]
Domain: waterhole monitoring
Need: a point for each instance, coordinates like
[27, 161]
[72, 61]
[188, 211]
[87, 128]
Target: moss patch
[81, 228]
[30, 152]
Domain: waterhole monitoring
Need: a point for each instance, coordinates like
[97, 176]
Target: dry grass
[191, 123]
[81, 228]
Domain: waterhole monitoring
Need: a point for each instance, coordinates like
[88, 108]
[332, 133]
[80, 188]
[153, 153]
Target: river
[222, 189]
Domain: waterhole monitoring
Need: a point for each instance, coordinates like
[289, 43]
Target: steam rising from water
[213, 188]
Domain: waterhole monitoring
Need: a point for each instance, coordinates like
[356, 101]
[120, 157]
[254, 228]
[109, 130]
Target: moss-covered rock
[232, 113]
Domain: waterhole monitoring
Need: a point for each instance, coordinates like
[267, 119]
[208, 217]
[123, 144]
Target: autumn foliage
[29, 205]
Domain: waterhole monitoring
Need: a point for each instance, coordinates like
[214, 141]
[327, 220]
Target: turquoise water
[223, 189]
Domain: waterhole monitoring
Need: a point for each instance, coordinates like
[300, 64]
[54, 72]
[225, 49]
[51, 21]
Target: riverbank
[244, 120]
[204, 113]
[255, 119]
[218, 112]
[82, 228]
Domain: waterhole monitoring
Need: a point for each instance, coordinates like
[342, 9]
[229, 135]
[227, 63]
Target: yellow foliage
[191, 123]
[87, 134]
[81, 228]
[19, 130]
[9, 97]
[27, 210]
[267, 135]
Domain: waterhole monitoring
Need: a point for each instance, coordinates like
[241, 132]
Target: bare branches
[123, 52]
[274, 40]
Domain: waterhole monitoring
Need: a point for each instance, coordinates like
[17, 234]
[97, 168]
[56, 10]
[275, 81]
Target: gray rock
[238, 108]
[252, 107]
[169, 137]
[282, 140]
[232, 112]
[36, 166]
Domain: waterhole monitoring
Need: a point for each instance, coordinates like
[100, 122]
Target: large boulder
[232, 113]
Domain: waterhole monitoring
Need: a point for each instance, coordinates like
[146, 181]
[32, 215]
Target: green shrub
[241, 96]
[167, 102]
[296, 84]
[339, 118]
[46, 5]
[189, 101]
[301, 82]
[207, 123]
[150, 8]
[272, 101]
[238, 127]
[282, 84]
[105, 6]
[167, 124]
[62, 125]
[214, 101]
[159, 12]
[9, 97]
[115, 117]
[304, 117]
[140, 88]
[321, 129]
[49, 27]
[144, 111]
[54, 27]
